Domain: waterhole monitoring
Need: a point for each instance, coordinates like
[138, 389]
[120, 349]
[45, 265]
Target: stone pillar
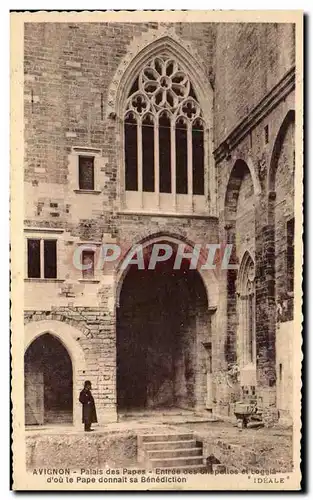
[265, 310]
[231, 339]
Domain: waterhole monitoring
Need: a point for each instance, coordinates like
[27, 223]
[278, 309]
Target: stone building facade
[99, 100]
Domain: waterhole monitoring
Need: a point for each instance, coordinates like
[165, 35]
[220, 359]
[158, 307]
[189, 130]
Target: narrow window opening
[250, 327]
[86, 173]
[88, 259]
[266, 134]
[131, 172]
[50, 258]
[247, 311]
[165, 154]
[33, 258]
[148, 153]
[198, 158]
[280, 371]
[181, 158]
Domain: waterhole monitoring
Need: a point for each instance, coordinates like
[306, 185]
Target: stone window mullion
[42, 259]
[189, 163]
[139, 160]
[173, 161]
[156, 162]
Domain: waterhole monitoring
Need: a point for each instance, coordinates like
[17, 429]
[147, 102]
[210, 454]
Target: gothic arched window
[164, 140]
[247, 344]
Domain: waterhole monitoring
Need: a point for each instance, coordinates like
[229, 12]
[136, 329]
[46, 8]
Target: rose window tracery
[162, 84]
[164, 131]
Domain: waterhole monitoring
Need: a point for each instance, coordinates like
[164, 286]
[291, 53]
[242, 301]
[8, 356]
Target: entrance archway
[48, 382]
[162, 323]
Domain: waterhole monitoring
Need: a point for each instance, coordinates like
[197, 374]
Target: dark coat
[89, 407]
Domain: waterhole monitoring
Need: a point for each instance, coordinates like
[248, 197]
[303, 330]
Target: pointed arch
[48, 382]
[146, 48]
[163, 319]
[246, 264]
[163, 74]
[240, 168]
[288, 120]
[281, 214]
[239, 212]
[208, 277]
[68, 336]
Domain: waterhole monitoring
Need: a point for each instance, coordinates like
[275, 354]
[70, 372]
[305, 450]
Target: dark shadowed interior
[48, 382]
[157, 322]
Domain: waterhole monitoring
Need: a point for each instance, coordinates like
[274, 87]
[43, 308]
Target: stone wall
[95, 334]
[249, 60]
[258, 155]
[284, 212]
[69, 69]
[82, 451]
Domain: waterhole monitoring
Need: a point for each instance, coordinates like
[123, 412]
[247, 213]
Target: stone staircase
[170, 451]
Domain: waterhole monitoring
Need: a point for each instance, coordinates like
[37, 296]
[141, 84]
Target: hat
[87, 382]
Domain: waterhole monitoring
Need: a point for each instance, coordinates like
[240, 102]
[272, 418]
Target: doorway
[48, 382]
[158, 320]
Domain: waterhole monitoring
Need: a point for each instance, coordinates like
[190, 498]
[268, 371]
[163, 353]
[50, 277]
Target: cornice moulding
[253, 118]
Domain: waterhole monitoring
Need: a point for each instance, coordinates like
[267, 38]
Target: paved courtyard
[251, 448]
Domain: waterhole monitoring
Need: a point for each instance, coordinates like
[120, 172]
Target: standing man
[89, 408]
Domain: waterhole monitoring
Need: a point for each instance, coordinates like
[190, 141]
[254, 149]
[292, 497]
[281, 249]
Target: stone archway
[281, 221]
[240, 206]
[65, 339]
[48, 382]
[163, 326]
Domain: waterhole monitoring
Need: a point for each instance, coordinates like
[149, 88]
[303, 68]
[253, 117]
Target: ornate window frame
[141, 52]
[246, 298]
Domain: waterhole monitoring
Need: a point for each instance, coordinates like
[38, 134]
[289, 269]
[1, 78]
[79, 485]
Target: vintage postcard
[156, 233]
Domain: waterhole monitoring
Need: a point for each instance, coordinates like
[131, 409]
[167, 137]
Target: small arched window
[164, 140]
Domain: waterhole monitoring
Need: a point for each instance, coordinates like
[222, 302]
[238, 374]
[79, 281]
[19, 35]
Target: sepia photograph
[156, 197]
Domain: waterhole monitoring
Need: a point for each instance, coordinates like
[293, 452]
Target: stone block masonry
[70, 71]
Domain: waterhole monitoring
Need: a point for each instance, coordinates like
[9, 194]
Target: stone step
[170, 445]
[166, 437]
[174, 462]
[182, 452]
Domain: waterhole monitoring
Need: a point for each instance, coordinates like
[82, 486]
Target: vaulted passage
[48, 382]
[161, 319]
